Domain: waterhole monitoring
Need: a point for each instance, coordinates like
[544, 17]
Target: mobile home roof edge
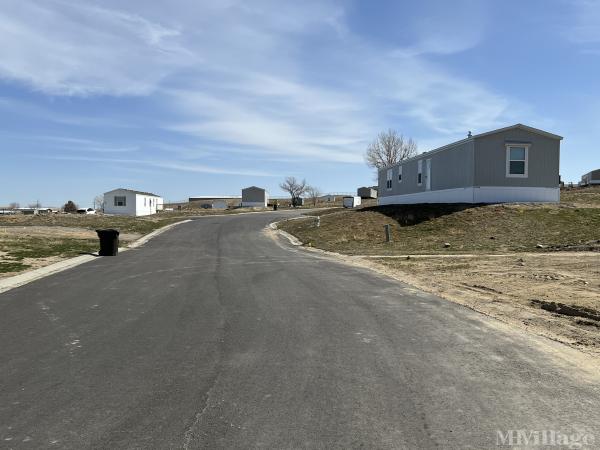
[134, 191]
[475, 136]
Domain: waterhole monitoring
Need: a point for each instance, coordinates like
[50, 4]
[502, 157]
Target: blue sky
[199, 97]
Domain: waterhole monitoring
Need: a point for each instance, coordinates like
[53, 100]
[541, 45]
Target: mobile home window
[388, 183]
[517, 158]
[120, 201]
[400, 173]
[420, 172]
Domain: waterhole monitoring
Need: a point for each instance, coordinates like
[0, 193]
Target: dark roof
[135, 192]
[254, 187]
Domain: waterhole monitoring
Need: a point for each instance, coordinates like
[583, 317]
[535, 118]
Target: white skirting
[254, 204]
[482, 194]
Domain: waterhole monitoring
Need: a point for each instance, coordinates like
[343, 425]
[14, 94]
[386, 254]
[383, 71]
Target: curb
[9, 283]
[293, 239]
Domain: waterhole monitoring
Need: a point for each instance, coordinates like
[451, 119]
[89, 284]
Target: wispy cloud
[71, 48]
[160, 164]
[263, 87]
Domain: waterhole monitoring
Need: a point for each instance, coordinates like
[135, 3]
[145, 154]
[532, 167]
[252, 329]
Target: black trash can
[109, 242]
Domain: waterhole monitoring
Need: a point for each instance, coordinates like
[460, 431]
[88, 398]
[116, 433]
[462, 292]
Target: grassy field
[31, 241]
[427, 229]
[124, 224]
[483, 229]
[585, 196]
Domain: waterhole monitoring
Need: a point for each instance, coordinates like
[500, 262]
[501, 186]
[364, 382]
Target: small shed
[254, 197]
[351, 201]
[219, 204]
[366, 192]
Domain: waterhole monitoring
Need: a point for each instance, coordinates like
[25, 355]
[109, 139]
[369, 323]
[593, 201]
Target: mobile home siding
[450, 169]
[543, 160]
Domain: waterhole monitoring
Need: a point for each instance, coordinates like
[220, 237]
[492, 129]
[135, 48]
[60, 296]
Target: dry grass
[425, 229]
[589, 196]
[31, 241]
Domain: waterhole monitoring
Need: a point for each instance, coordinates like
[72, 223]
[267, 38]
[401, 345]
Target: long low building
[513, 164]
[202, 198]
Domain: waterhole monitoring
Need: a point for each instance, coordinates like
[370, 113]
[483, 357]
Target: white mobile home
[590, 178]
[127, 202]
[255, 197]
[512, 164]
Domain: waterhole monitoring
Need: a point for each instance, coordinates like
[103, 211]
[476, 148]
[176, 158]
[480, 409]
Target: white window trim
[420, 172]
[115, 202]
[399, 174]
[517, 175]
[388, 179]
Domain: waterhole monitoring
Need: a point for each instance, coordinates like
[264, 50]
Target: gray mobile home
[590, 178]
[512, 164]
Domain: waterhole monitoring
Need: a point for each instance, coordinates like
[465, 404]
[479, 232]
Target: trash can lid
[108, 231]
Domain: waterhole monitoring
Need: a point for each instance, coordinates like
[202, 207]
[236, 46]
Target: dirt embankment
[556, 295]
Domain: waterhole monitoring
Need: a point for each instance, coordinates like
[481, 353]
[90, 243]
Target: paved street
[215, 335]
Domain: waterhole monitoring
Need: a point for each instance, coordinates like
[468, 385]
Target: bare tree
[14, 205]
[99, 202]
[313, 193]
[388, 149]
[294, 187]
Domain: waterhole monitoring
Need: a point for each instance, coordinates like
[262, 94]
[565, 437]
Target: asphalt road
[214, 335]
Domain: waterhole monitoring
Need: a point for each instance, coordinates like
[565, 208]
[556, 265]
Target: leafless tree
[99, 202]
[313, 193]
[294, 187]
[388, 149]
[14, 205]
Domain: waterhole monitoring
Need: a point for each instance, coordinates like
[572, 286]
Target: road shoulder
[511, 288]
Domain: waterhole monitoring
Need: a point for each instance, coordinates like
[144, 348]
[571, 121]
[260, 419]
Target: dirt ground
[552, 294]
[44, 238]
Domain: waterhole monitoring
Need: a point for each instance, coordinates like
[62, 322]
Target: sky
[192, 97]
